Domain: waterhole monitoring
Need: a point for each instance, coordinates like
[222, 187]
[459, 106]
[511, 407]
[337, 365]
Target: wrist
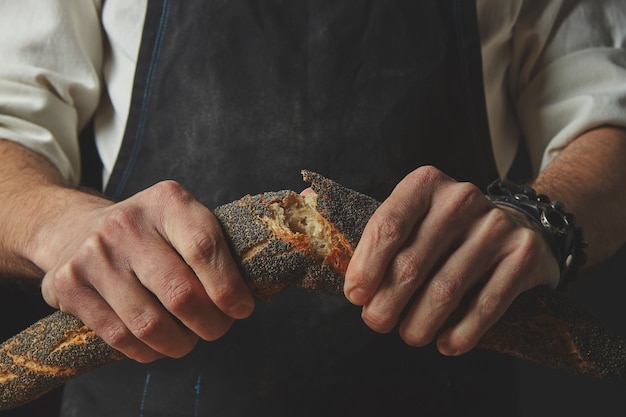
[36, 204]
[549, 217]
[68, 214]
[25, 214]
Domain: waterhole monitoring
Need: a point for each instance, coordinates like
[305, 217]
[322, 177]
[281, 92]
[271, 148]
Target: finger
[146, 318]
[208, 255]
[406, 273]
[463, 270]
[111, 328]
[88, 305]
[483, 312]
[385, 233]
[115, 279]
[528, 263]
[197, 236]
[179, 290]
[448, 222]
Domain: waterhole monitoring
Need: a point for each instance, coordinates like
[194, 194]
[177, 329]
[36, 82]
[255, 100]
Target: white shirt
[552, 70]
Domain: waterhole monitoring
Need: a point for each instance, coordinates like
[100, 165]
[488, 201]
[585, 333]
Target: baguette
[283, 239]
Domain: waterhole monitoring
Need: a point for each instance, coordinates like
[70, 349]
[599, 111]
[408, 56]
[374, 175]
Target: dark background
[545, 392]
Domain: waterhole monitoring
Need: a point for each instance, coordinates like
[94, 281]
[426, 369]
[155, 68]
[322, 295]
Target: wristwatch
[558, 226]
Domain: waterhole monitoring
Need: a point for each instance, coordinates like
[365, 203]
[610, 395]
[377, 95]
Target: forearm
[589, 177]
[32, 195]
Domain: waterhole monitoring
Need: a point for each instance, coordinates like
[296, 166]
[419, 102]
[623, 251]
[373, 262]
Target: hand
[149, 275]
[432, 243]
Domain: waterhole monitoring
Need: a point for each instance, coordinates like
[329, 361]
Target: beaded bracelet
[559, 227]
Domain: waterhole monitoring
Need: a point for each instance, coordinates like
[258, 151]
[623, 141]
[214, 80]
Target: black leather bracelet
[559, 227]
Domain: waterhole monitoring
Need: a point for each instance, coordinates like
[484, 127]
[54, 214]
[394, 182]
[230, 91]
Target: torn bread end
[296, 220]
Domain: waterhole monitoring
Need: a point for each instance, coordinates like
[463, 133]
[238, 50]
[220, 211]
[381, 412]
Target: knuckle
[467, 190]
[171, 192]
[444, 292]
[389, 226]
[467, 194]
[426, 177]
[93, 253]
[407, 266]
[462, 199]
[65, 282]
[122, 221]
[202, 247]
[489, 306]
[117, 336]
[93, 246]
[143, 325]
[179, 295]
[426, 174]
[65, 277]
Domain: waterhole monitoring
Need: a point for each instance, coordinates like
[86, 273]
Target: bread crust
[273, 258]
[47, 354]
[542, 325]
[547, 327]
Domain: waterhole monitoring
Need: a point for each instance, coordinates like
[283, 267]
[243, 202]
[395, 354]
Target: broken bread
[283, 239]
[271, 230]
[286, 239]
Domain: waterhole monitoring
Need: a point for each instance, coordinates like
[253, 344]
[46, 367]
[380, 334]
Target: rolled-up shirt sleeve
[568, 73]
[50, 61]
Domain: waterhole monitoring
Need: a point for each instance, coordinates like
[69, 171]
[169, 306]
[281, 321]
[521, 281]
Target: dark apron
[234, 97]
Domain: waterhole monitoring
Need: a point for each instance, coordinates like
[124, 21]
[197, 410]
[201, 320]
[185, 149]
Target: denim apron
[237, 96]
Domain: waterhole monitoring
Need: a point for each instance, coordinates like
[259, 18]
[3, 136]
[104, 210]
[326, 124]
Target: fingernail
[357, 296]
[446, 349]
[241, 311]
